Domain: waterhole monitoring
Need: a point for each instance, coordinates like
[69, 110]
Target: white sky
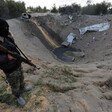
[49, 3]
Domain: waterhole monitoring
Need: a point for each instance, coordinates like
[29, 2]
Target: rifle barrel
[15, 55]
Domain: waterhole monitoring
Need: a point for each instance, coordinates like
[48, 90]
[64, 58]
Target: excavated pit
[52, 30]
[51, 40]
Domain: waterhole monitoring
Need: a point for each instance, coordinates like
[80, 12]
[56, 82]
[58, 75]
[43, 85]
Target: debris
[79, 25]
[70, 22]
[70, 17]
[25, 16]
[65, 43]
[105, 33]
[96, 27]
[93, 38]
[69, 39]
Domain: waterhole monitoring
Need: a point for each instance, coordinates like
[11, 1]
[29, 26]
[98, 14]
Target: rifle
[20, 51]
[17, 56]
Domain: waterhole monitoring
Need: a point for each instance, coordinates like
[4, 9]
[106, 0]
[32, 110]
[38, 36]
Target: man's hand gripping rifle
[15, 55]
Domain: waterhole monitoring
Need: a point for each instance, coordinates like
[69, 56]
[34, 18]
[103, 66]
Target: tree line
[90, 9]
[12, 9]
[37, 9]
[97, 9]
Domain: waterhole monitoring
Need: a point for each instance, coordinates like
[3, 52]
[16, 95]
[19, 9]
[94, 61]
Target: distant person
[10, 65]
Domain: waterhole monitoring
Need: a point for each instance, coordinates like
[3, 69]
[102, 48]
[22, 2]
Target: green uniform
[16, 81]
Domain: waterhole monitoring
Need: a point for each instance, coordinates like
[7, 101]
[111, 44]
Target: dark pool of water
[59, 52]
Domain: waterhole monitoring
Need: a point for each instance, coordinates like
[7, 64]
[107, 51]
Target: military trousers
[16, 81]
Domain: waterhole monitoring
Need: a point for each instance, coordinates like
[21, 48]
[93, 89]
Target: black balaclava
[4, 28]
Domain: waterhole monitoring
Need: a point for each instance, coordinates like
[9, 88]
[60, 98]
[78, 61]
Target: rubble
[97, 27]
[69, 39]
[25, 16]
[70, 17]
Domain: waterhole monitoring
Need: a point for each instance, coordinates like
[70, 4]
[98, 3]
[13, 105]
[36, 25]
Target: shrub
[96, 9]
[89, 10]
[102, 8]
[54, 9]
[15, 8]
[10, 8]
[4, 11]
[74, 8]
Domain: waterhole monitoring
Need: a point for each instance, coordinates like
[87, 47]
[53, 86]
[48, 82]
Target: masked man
[10, 65]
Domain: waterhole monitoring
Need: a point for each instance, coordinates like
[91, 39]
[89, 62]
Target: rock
[70, 22]
[33, 34]
[103, 38]
[108, 95]
[75, 54]
[31, 101]
[79, 54]
[70, 17]
[79, 25]
[105, 33]
[2, 106]
[43, 101]
[74, 109]
[93, 38]
[65, 43]
[9, 110]
[109, 82]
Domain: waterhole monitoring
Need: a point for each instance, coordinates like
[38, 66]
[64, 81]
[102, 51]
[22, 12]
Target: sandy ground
[83, 86]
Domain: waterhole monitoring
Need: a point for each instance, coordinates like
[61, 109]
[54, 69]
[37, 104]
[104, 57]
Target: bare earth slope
[58, 87]
[27, 42]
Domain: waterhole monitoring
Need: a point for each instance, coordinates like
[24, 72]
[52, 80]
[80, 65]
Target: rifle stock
[15, 55]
